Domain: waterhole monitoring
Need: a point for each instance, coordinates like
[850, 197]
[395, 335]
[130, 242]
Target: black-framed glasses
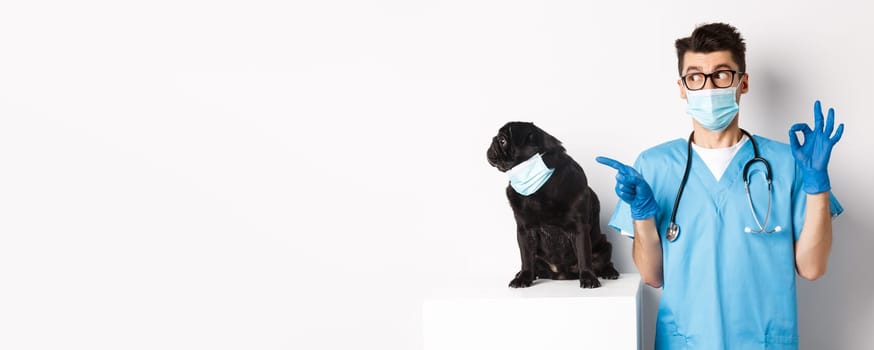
[722, 79]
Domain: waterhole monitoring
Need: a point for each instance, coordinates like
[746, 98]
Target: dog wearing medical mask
[557, 214]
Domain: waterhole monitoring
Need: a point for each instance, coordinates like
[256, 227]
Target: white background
[274, 175]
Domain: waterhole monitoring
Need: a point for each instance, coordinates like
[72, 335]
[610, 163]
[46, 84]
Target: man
[726, 253]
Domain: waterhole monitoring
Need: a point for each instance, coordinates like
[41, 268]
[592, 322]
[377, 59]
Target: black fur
[557, 227]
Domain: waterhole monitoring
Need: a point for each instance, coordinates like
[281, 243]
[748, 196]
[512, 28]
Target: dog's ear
[530, 135]
[551, 143]
[533, 138]
[546, 142]
[523, 134]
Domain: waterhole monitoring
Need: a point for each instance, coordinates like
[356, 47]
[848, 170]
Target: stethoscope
[674, 229]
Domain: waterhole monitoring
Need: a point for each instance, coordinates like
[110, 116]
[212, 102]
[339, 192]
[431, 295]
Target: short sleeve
[621, 220]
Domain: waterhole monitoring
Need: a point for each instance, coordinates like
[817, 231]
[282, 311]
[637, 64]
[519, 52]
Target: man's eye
[696, 77]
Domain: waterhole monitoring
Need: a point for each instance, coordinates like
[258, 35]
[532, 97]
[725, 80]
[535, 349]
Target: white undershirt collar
[717, 159]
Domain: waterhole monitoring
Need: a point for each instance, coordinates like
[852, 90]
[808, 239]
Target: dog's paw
[588, 280]
[609, 273]
[523, 279]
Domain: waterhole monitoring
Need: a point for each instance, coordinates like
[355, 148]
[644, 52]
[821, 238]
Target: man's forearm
[647, 252]
[813, 247]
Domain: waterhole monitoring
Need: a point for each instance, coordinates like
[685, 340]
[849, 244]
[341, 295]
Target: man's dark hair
[713, 37]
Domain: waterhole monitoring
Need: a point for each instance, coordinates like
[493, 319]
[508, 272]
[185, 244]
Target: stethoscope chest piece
[673, 232]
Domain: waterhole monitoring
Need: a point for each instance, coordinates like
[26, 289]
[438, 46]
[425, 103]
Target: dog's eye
[502, 141]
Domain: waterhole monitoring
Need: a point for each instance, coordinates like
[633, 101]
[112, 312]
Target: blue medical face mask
[527, 177]
[714, 109]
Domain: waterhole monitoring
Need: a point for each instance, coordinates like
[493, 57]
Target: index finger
[615, 164]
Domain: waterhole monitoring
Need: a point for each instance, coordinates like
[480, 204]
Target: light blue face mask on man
[714, 109]
[527, 177]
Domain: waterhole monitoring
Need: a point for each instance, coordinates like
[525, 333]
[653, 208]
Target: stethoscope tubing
[673, 229]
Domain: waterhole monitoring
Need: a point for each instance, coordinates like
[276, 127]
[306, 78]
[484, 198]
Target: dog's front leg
[583, 249]
[527, 247]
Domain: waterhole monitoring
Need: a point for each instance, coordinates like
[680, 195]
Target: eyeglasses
[721, 79]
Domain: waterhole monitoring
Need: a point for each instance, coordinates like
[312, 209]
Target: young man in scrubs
[728, 277]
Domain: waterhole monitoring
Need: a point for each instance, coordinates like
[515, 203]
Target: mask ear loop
[740, 80]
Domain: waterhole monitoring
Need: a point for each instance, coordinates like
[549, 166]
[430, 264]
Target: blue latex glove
[814, 154]
[632, 188]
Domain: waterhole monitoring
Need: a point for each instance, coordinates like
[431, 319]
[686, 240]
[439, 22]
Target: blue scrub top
[724, 288]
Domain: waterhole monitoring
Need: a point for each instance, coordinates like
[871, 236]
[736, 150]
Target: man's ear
[682, 88]
[745, 84]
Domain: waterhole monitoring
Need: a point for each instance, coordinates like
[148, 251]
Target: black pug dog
[557, 226]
